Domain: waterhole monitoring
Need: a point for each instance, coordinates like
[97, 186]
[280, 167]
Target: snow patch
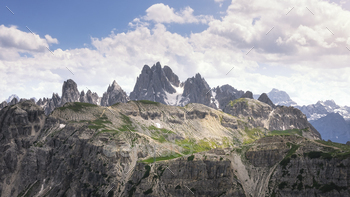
[213, 99]
[62, 126]
[316, 116]
[175, 98]
[158, 125]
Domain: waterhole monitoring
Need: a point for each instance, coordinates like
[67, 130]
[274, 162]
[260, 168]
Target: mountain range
[156, 83]
[161, 84]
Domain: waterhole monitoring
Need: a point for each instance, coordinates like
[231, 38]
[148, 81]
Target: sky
[301, 47]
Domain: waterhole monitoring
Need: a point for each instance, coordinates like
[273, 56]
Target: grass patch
[99, 123]
[232, 103]
[109, 131]
[192, 146]
[292, 150]
[127, 126]
[159, 134]
[190, 158]
[151, 160]
[324, 155]
[343, 147]
[189, 146]
[76, 106]
[286, 159]
[286, 132]
[253, 134]
[147, 102]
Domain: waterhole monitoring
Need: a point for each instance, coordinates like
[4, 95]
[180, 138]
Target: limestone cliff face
[201, 177]
[82, 149]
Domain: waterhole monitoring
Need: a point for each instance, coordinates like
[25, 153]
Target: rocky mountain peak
[247, 94]
[114, 86]
[70, 92]
[265, 99]
[196, 90]
[279, 97]
[114, 95]
[10, 98]
[156, 84]
[331, 104]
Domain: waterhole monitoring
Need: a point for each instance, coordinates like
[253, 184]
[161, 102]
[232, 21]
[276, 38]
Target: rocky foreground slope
[143, 148]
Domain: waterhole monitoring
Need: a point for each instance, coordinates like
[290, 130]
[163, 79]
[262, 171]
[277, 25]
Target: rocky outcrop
[196, 90]
[259, 114]
[13, 101]
[89, 97]
[49, 104]
[265, 99]
[222, 95]
[114, 95]
[70, 92]
[3, 104]
[247, 94]
[184, 178]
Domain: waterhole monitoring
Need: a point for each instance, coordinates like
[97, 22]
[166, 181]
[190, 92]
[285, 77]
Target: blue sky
[74, 22]
[305, 54]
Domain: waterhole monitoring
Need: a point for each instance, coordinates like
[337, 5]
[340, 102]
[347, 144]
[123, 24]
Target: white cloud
[51, 40]
[13, 40]
[161, 13]
[299, 55]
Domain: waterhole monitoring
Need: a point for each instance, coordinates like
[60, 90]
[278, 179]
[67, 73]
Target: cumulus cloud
[299, 55]
[161, 13]
[13, 40]
[299, 35]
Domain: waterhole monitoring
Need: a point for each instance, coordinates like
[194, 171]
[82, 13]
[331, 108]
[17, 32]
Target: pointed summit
[196, 90]
[114, 86]
[265, 99]
[157, 84]
[70, 92]
[280, 98]
[114, 95]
